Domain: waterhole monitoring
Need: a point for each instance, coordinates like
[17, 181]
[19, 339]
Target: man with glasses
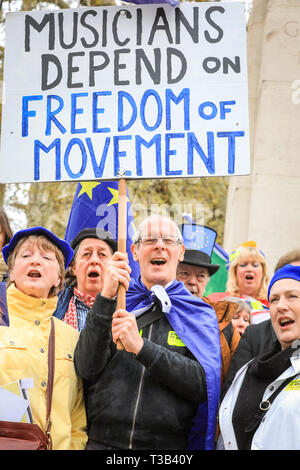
[153, 370]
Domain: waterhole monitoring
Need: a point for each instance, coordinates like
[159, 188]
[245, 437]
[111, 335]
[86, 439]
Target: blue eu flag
[95, 204]
[198, 237]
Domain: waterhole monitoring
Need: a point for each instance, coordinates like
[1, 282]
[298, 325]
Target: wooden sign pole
[122, 236]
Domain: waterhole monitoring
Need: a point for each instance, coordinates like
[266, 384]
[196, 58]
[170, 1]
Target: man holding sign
[162, 390]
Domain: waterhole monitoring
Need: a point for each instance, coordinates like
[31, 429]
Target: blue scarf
[195, 322]
[288, 271]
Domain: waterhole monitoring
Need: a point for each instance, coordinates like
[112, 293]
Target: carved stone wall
[265, 205]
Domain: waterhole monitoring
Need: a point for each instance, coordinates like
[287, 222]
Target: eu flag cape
[195, 322]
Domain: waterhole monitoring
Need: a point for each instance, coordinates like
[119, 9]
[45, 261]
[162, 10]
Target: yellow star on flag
[115, 198]
[88, 188]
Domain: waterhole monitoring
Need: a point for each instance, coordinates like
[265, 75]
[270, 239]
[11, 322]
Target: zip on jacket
[138, 397]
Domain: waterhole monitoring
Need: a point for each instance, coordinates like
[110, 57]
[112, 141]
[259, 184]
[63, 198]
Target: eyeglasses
[167, 241]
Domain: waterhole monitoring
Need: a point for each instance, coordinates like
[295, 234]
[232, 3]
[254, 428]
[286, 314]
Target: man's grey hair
[137, 236]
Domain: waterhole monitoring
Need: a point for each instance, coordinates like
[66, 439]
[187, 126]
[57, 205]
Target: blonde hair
[46, 244]
[245, 253]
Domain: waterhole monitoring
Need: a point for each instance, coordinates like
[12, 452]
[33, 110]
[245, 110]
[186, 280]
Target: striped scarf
[71, 316]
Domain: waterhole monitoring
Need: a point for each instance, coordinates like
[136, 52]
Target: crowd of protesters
[174, 369]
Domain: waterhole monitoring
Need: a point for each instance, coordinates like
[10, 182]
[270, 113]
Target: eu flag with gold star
[95, 204]
[202, 238]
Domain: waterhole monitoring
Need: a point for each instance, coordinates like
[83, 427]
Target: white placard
[152, 90]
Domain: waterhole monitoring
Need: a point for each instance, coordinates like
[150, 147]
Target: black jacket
[255, 341]
[146, 401]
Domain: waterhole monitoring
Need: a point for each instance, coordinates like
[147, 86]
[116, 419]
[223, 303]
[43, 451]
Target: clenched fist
[124, 329]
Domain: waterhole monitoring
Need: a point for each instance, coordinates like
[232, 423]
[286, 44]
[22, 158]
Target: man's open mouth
[158, 261]
[93, 274]
[193, 290]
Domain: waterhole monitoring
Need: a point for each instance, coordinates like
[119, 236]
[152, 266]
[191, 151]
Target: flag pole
[122, 236]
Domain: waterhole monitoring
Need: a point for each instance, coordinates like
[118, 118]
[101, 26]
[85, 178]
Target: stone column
[265, 205]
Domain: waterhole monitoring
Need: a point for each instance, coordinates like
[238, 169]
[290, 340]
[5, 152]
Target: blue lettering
[185, 96]
[97, 111]
[139, 141]
[170, 152]
[208, 160]
[144, 99]
[223, 109]
[26, 113]
[207, 104]
[119, 154]
[83, 154]
[51, 114]
[39, 145]
[75, 111]
[231, 135]
[130, 99]
[98, 170]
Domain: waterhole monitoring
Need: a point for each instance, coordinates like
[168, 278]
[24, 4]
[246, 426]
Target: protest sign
[152, 90]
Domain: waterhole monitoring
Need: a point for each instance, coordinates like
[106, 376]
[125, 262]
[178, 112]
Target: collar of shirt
[23, 307]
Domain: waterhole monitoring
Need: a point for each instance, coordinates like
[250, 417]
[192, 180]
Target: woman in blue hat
[36, 261]
[261, 409]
